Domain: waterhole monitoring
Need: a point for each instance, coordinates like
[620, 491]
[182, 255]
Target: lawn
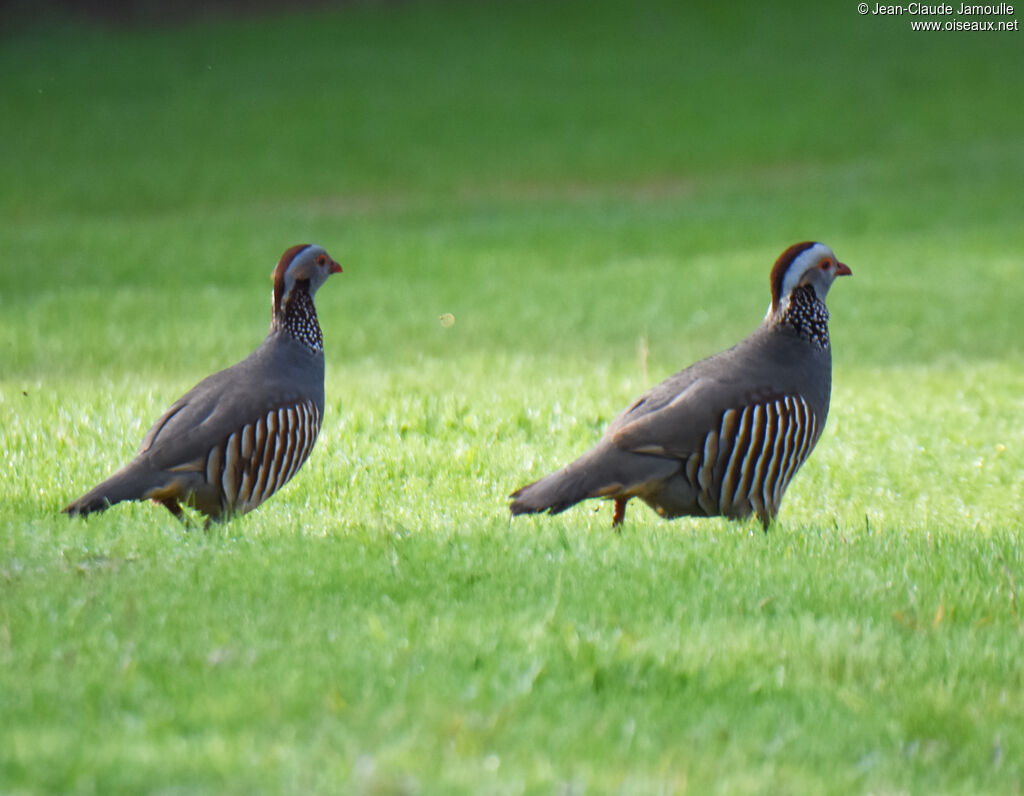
[596, 192]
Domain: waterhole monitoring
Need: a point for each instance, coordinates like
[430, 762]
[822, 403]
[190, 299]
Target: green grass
[575, 182]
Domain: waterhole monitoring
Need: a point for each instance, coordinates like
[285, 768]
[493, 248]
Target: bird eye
[824, 265]
[321, 259]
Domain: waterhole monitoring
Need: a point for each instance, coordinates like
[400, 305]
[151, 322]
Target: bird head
[307, 265]
[808, 263]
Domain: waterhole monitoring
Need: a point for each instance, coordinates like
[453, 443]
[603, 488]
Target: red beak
[336, 269]
[842, 269]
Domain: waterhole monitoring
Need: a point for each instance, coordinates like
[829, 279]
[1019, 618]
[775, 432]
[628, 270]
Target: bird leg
[620, 513]
[172, 505]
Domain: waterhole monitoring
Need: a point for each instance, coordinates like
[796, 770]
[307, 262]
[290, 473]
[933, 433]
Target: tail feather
[129, 483]
[554, 493]
[596, 473]
[603, 471]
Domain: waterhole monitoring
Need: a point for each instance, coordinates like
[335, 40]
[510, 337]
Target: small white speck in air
[447, 320]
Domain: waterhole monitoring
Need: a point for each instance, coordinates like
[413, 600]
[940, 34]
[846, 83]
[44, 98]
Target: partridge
[239, 435]
[725, 436]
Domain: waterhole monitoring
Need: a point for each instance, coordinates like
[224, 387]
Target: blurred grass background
[678, 147]
[577, 183]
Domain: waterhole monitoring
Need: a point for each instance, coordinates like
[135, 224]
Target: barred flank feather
[261, 457]
[747, 463]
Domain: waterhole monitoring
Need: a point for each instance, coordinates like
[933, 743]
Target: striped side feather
[262, 456]
[746, 464]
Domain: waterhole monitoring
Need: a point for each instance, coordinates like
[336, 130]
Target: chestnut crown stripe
[782, 265]
[282, 268]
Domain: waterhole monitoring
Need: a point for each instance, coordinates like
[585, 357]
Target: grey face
[817, 267]
[313, 264]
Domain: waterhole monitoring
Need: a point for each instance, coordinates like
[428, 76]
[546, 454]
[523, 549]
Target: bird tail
[554, 493]
[591, 475]
[127, 483]
[603, 471]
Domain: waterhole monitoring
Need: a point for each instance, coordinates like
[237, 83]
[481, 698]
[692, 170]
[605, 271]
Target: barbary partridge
[239, 435]
[725, 436]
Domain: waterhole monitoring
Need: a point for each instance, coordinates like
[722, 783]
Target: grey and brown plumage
[725, 436]
[239, 435]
